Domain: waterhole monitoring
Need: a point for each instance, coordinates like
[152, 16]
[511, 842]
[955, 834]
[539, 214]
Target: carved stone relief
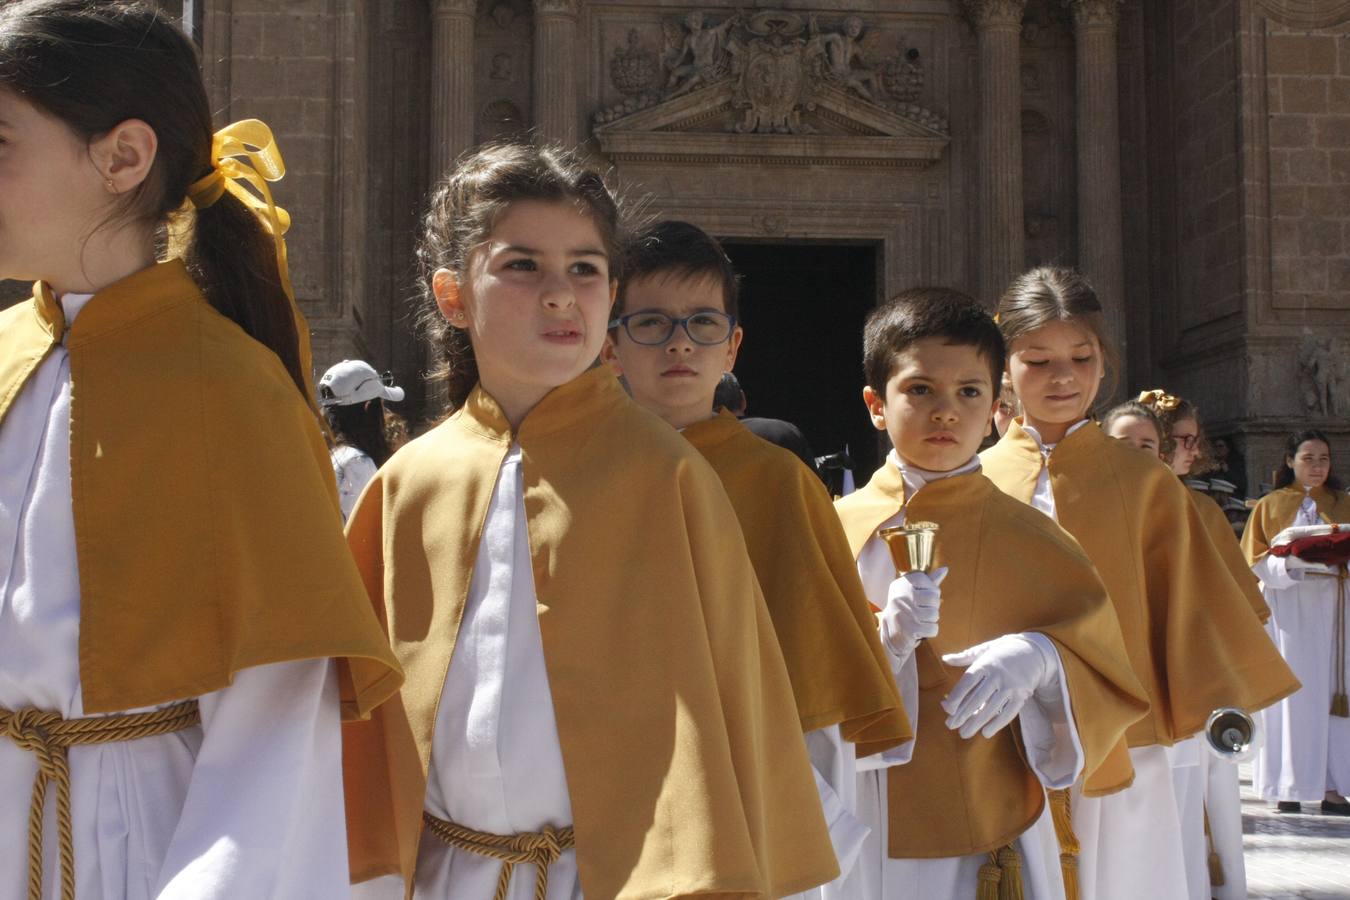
[776, 63]
[503, 62]
[1324, 375]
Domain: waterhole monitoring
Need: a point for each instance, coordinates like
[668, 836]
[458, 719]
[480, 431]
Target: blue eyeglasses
[652, 329]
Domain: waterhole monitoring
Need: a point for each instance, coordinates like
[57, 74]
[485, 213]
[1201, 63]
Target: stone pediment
[775, 89]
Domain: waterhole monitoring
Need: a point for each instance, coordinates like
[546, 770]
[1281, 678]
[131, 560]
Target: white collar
[915, 478]
[1047, 449]
[71, 304]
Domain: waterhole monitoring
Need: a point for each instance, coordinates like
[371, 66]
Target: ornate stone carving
[699, 54]
[443, 8]
[503, 14]
[1324, 375]
[556, 7]
[777, 62]
[501, 118]
[1095, 13]
[905, 76]
[991, 13]
[845, 63]
[634, 68]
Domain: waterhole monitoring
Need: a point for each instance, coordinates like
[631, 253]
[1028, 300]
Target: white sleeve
[837, 784]
[353, 476]
[1273, 572]
[906, 675]
[264, 815]
[877, 571]
[1049, 732]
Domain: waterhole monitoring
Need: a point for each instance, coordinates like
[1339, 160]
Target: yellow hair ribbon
[1160, 400]
[245, 155]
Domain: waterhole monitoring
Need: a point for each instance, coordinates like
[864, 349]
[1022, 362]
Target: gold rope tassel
[1010, 862]
[540, 850]
[990, 877]
[48, 736]
[1340, 707]
[1001, 877]
[1216, 878]
[1061, 813]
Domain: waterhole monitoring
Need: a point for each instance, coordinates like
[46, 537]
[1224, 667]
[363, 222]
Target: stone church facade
[1192, 157]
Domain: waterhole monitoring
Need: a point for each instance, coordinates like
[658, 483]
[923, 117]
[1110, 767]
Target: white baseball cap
[355, 381]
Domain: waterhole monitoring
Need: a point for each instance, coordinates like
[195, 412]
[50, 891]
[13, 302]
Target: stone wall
[297, 66]
[1295, 121]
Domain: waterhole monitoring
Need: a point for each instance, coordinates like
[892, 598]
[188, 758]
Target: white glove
[1299, 569]
[911, 612]
[1002, 676]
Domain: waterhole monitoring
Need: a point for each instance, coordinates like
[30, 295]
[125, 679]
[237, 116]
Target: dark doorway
[803, 306]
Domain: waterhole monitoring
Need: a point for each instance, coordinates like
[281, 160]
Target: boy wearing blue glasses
[673, 336]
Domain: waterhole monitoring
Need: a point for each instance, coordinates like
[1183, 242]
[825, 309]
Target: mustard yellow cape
[824, 623]
[1192, 636]
[685, 764]
[957, 797]
[206, 517]
[1275, 512]
[1226, 542]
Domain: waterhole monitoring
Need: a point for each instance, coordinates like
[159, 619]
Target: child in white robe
[1306, 755]
[141, 421]
[932, 359]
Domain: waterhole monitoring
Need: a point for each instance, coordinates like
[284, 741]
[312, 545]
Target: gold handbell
[919, 545]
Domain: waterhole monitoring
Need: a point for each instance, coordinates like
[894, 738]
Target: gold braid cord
[1340, 707]
[538, 849]
[1061, 813]
[1001, 877]
[47, 736]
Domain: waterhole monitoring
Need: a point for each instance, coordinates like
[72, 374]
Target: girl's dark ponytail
[95, 65]
[233, 259]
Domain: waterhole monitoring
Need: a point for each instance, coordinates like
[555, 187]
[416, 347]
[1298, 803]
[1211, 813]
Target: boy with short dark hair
[964, 804]
[674, 335]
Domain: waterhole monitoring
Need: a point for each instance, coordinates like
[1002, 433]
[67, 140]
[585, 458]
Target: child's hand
[911, 612]
[1003, 675]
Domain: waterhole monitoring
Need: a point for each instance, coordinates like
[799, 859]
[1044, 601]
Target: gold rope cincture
[1001, 877]
[1216, 878]
[1340, 704]
[1061, 813]
[47, 736]
[540, 849]
[245, 155]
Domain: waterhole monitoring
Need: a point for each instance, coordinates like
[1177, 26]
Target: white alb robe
[1048, 733]
[248, 804]
[1306, 750]
[1131, 841]
[1188, 787]
[1223, 805]
[496, 741]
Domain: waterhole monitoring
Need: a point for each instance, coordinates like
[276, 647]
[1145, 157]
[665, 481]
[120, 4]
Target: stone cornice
[568, 8]
[1095, 13]
[1306, 13]
[443, 9]
[994, 13]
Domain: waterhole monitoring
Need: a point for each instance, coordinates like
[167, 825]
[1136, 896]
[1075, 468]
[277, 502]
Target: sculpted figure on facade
[699, 56]
[843, 55]
[776, 64]
[1324, 375]
[634, 68]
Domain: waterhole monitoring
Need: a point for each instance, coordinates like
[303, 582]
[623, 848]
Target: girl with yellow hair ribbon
[181, 626]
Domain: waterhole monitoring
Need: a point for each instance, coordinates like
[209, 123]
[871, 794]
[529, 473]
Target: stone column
[1100, 237]
[452, 114]
[998, 28]
[555, 70]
